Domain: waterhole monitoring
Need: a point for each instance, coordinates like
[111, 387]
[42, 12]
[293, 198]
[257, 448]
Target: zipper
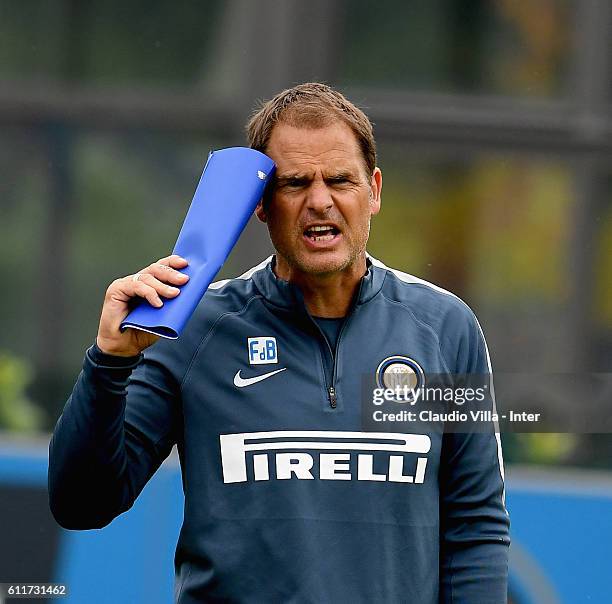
[331, 389]
[332, 395]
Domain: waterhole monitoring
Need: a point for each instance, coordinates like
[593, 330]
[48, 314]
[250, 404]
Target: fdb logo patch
[262, 350]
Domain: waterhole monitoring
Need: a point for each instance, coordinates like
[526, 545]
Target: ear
[375, 191]
[260, 212]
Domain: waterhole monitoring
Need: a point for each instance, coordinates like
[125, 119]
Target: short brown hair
[311, 105]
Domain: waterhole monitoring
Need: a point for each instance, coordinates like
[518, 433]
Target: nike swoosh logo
[241, 382]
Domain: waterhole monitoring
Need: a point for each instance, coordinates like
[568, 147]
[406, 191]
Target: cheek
[281, 228]
[360, 220]
[283, 214]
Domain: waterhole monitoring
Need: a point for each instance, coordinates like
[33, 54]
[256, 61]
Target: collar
[286, 295]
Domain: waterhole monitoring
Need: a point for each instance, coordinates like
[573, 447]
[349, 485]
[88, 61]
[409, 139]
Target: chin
[324, 264]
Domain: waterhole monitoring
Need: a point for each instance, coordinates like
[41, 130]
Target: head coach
[287, 499]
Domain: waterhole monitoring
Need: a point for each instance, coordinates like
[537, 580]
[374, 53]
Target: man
[287, 498]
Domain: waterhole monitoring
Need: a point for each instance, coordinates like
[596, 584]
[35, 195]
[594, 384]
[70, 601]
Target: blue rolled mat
[232, 183]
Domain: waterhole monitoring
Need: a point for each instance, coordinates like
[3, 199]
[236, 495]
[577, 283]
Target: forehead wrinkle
[301, 162]
[311, 174]
[323, 150]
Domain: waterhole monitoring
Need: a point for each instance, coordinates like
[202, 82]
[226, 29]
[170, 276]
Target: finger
[175, 261]
[141, 289]
[163, 289]
[167, 274]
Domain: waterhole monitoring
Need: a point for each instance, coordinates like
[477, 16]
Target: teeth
[321, 232]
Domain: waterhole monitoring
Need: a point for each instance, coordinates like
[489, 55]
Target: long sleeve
[474, 522]
[117, 427]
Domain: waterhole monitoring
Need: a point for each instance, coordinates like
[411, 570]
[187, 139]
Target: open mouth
[321, 232]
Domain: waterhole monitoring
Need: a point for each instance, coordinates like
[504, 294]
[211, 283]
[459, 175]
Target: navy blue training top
[288, 498]
[330, 328]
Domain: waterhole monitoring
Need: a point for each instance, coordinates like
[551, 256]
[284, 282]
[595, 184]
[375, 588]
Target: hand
[151, 283]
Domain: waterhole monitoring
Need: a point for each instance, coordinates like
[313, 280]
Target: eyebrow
[341, 174]
[283, 179]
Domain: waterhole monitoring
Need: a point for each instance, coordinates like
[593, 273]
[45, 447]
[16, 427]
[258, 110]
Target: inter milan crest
[402, 374]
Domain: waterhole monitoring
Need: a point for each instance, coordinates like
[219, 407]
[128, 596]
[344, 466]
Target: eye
[339, 181]
[292, 183]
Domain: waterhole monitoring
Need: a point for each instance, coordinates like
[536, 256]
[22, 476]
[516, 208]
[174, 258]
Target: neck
[325, 294]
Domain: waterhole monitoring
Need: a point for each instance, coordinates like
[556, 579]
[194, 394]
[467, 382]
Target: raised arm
[124, 413]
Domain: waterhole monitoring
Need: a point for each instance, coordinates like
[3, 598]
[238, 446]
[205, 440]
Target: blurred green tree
[17, 412]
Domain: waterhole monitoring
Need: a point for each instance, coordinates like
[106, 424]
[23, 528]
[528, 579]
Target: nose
[319, 197]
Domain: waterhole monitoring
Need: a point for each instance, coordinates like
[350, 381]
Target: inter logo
[262, 350]
[401, 374]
